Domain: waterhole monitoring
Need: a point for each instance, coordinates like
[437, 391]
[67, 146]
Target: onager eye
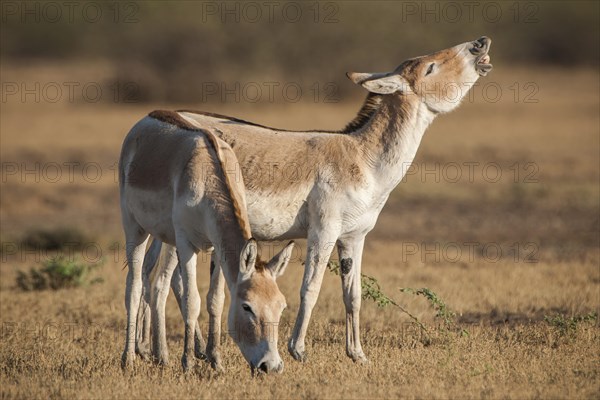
[247, 308]
[430, 69]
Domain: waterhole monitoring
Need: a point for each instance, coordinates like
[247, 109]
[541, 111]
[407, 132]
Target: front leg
[320, 245]
[350, 253]
[215, 299]
[177, 286]
[190, 300]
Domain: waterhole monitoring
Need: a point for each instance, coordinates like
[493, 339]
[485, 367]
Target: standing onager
[340, 181]
[176, 185]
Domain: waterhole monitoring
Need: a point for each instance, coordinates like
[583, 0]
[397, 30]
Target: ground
[499, 217]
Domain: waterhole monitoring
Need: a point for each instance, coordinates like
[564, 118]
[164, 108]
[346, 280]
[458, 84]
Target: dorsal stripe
[236, 201]
[369, 107]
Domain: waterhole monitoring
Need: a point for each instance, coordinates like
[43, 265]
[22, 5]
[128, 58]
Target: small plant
[371, 290]
[57, 273]
[568, 326]
[442, 310]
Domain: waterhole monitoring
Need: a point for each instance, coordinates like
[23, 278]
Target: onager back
[176, 184]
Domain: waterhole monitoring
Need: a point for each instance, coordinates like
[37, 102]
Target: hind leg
[143, 335]
[160, 291]
[135, 245]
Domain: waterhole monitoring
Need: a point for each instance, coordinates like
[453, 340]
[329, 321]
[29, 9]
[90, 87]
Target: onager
[176, 184]
[331, 186]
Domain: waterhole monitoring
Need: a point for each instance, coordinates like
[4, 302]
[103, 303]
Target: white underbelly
[153, 212]
[278, 218]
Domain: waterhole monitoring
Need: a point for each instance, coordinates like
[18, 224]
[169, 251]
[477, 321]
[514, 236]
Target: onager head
[256, 307]
[439, 80]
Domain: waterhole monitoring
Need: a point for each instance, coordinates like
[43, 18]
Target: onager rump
[340, 181]
[176, 185]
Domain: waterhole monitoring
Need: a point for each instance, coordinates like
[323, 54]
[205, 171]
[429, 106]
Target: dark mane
[371, 104]
[232, 119]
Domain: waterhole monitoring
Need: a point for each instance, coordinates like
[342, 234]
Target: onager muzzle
[480, 48]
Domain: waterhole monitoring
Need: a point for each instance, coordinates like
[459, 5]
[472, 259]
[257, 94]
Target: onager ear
[278, 264]
[248, 259]
[380, 83]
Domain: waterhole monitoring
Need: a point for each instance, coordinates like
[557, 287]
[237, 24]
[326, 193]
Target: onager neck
[392, 136]
[230, 257]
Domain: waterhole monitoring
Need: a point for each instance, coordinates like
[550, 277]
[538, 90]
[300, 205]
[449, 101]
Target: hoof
[144, 353]
[359, 358]
[199, 348]
[215, 362]
[200, 355]
[161, 361]
[217, 366]
[188, 363]
[127, 361]
[299, 355]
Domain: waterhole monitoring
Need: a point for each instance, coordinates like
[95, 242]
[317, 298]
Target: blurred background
[170, 49]
[516, 163]
[499, 214]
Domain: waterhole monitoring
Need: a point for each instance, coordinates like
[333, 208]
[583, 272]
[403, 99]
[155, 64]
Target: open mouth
[483, 65]
[480, 48]
[484, 60]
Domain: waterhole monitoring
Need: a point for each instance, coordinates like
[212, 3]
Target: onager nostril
[263, 367]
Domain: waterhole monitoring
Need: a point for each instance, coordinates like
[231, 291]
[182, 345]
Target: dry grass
[67, 343]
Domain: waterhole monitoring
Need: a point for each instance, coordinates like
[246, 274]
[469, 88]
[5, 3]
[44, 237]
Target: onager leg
[215, 299]
[142, 337]
[320, 245]
[191, 299]
[350, 253]
[143, 319]
[160, 291]
[177, 286]
[135, 247]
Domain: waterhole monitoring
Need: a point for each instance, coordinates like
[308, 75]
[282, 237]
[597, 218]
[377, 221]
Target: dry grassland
[436, 231]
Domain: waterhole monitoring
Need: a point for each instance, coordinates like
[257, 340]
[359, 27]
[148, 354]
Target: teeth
[484, 60]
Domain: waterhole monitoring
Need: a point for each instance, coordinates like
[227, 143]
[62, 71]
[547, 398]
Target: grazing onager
[331, 186]
[176, 184]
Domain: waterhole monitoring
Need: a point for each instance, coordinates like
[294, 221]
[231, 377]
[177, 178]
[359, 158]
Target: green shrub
[568, 325]
[57, 273]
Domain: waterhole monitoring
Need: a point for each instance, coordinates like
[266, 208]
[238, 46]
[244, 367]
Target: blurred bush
[172, 47]
[57, 273]
[55, 239]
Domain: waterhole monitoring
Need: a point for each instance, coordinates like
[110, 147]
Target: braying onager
[340, 181]
[176, 184]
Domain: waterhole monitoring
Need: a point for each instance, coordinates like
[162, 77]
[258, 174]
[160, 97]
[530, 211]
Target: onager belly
[278, 218]
[153, 211]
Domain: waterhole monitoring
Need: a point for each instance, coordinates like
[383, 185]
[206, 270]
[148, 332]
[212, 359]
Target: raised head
[439, 80]
[256, 307]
